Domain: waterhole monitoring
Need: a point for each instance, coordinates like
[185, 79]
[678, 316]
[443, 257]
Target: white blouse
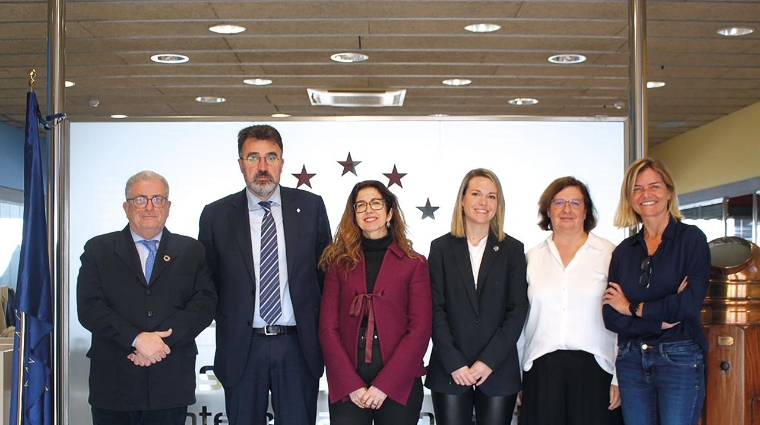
[476, 257]
[566, 303]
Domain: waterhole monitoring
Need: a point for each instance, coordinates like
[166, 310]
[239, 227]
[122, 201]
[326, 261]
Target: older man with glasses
[145, 294]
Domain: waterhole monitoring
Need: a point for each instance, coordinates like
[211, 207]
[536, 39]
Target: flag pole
[20, 366]
[22, 321]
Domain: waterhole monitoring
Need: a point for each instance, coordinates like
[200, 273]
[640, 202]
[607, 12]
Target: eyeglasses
[142, 201]
[560, 203]
[375, 204]
[270, 158]
[646, 268]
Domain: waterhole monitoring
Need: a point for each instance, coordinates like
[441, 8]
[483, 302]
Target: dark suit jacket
[403, 321]
[470, 325]
[115, 304]
[226, 233]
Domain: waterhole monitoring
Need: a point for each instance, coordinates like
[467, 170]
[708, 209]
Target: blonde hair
[625, 215]
[344, 249]
[497, 222]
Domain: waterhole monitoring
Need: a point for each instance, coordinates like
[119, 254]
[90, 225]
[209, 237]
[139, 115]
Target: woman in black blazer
[480, 301]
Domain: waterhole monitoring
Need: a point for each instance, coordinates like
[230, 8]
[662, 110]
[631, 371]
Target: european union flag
[33, 290]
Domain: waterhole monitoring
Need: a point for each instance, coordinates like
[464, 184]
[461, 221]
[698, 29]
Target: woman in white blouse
[568, 356]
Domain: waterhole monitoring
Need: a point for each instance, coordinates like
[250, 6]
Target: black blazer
[115, 304]
[226, 233]
[482, 324]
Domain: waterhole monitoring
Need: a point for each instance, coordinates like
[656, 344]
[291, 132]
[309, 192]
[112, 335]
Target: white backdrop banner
[199, 159]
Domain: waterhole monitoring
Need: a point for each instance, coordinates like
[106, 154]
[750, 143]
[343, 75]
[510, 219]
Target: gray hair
[142, 176]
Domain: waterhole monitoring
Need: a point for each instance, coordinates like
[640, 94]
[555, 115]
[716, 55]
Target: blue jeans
[661, 383]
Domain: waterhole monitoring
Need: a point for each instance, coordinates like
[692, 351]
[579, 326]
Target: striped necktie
[269, 269]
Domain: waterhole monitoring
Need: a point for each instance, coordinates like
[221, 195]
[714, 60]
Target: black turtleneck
[374, 251]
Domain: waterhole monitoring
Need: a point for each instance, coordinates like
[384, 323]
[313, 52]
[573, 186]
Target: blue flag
[33, 290]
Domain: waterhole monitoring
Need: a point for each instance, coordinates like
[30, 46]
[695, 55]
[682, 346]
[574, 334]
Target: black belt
[272, 330]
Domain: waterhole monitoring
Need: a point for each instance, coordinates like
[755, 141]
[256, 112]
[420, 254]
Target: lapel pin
[496, 249]
[298, 210]
[167, 258]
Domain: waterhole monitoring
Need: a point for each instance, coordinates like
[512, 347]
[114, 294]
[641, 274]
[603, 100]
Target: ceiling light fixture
[482, 27]
[118, 116]
[280, 115]
[457, 82]
[257, 81]
[567, 59]
[69, 84]
[523, 101]
[735, 31]
[349, 57]
[439, 115]
[226, 29]
[210, 99]
[655, 84]
[169, 58]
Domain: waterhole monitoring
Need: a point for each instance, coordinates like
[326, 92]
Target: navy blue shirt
[683, 252]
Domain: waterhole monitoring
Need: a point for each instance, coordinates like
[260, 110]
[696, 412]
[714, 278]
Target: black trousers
[391, 412]
[456, 409]
[567, 388]
[174, 416]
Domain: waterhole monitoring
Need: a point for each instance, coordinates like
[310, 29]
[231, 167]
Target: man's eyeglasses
[646, 268]
[375, 204]
[142, 201]
[560, 203]
[270, 158]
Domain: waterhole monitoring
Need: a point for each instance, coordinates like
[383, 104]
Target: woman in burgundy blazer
[376, 317]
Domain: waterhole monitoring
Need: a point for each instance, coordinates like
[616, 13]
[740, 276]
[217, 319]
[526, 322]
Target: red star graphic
[304, 177]
[349, 165]
[394, 177]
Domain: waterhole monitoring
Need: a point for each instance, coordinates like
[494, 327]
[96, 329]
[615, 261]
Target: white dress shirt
[255, 217]
[566, 303]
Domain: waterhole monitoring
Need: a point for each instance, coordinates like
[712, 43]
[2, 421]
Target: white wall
[199, 161]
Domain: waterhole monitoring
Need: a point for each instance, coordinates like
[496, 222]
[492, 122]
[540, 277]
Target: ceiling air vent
[356, 98]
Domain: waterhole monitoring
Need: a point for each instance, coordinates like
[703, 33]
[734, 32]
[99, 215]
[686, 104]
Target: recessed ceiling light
[439, 115]
[69, 84]
[349, 57]
[169, 58]
[457, 82]
[226, 29]
[280, 115]
[655, 84]
[619, 104]
[118, 116]
[483, 27]
[257, 81]
[523, 101]
[567, 59]
[735, 31]
[210, 99]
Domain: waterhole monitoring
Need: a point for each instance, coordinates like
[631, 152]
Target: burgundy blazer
[403, 320]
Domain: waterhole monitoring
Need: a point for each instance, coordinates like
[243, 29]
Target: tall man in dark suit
[145, 294]
[263, 245]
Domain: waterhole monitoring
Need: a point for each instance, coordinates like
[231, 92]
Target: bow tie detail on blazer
[360, 304]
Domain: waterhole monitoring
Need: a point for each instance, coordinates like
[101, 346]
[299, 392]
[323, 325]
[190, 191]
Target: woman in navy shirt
[658, 280]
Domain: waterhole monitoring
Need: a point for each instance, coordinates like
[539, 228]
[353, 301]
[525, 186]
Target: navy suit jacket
[482, 324]
[225, 231]
[115, 303]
